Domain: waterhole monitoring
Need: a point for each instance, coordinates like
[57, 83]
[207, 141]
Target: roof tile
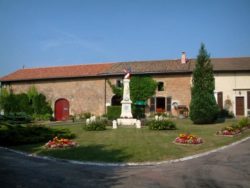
[137, 67]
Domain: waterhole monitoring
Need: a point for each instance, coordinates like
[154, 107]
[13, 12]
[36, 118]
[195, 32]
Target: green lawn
[136, 145]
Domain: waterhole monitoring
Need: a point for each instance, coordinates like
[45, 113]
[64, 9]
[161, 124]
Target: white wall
[233, 85]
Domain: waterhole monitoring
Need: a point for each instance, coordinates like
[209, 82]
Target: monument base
[126, 121]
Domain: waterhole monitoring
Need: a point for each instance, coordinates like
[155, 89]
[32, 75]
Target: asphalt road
[228, 168]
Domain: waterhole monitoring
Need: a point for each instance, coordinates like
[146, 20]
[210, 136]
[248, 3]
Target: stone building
[76, 89]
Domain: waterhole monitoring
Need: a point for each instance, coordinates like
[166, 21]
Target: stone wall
[88, 94]
[176, 86]
[84, 95]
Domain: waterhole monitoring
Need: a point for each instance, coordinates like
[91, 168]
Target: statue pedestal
[124, 121]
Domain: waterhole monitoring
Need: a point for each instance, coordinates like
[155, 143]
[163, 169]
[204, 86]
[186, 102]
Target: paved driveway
[227, 168]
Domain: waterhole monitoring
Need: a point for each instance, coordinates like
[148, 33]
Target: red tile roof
[137, 67]
[56, 72]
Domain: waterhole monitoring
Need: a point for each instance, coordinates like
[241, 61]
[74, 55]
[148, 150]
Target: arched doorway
[116, 100]
[61, 110]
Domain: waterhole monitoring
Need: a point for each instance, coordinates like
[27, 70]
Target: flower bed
[229, 131]
[188, 139]
[60, 143]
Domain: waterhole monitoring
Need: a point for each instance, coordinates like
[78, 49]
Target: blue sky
[38, 33]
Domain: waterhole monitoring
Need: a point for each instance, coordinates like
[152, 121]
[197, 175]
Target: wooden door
[240, 106]
[62, 110]
[220, 100]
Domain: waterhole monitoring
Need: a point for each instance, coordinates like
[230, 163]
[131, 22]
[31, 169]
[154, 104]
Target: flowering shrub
[188, 139]
[229, 130]
[60, 143]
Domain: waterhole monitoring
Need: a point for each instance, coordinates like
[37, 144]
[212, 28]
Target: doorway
[61, 110]
[240, 106]
[160, 104]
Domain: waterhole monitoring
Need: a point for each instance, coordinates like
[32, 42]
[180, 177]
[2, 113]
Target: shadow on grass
[94, 153]
[11, 135]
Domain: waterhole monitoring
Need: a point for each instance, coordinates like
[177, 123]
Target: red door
[61, 110]
[240, 106]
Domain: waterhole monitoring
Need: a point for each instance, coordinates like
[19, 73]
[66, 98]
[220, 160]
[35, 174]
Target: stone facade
[94, 94]
[176, 86]
[84, 95]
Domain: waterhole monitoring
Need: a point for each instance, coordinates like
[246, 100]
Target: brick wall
[88, 94]
[84, 95]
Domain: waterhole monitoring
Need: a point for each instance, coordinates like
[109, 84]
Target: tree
[141, 89]
[203, 107]
[3, 96]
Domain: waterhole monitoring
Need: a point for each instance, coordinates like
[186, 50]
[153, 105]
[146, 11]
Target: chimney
[183, 58]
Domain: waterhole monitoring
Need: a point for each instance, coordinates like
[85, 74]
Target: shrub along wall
[32, 103]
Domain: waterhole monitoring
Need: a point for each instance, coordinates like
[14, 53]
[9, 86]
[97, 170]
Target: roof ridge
[57, 66]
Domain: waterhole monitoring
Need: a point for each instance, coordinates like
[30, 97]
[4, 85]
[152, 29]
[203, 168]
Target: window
[118, 83]
[160, 86]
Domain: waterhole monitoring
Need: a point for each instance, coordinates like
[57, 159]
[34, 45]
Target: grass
[136, 145]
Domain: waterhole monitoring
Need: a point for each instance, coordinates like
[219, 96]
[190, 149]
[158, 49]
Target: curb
[128, 164]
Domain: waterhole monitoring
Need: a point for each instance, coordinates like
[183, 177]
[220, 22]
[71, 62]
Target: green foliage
[203, 107]
[18, 135]
[42, 117]
[113, 112]
[97, 125]
[32, 93]
[142, 88]
[161, 125]
[244, 122]
[32, 103]
[116, 90]
[86, 115]
[17, 118]
[3, 95]
[225, 114]
[40, 105]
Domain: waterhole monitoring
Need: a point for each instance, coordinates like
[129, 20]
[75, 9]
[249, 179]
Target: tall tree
[203, 107]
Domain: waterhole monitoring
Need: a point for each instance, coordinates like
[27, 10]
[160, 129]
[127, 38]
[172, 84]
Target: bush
[86, 115]
[161, 125]
[225, 114]
[244, 122]
[30, 103]
[41, 117]
[17, 118]
[114, 112]
[18, 135]
[98, 125]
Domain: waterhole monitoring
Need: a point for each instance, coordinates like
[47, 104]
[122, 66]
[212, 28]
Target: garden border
[103, 164]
